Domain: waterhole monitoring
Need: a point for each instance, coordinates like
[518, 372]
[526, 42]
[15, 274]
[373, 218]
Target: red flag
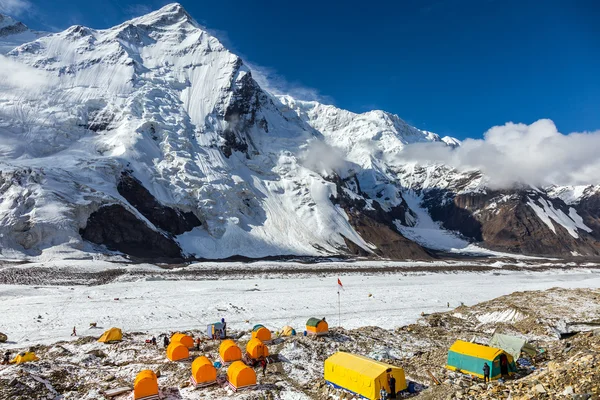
[340, 286]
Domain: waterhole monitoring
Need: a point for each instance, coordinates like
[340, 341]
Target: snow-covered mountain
[152, 139]
[14, 33]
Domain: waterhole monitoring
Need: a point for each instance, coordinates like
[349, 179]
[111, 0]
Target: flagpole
[339, 310]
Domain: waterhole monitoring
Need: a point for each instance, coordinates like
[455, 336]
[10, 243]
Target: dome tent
[145, 386]
[203, 372]
[112, 335]
[177, 351]
[240, 376]
[229, 351]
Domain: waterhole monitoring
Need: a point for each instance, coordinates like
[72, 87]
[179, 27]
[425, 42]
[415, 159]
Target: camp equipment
[318, 327]
[216, 329]
[112, 335]
[361, 375]
[240, 376]
[256, 349]
[229, 352]
[512, 345]
[203, 373]
[262, 333]
[145, 386]
[177, 351]
[470, 357]
[184, 339]
[288, 331]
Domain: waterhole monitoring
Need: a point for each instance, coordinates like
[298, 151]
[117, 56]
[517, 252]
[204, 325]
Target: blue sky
[455, 67]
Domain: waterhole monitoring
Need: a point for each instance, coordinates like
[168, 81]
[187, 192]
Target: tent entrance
[503, 365]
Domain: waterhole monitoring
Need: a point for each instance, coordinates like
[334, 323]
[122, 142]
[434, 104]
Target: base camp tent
[315, 326]
[111, 335]
[229, 352]
[145, 386]
[184, 339]
[362, 375]
[25, 357]
[240, 376]
[203, 372]
[288, 331]
[256, 349]
[216, 330]
[470, 357]
[262, 333]
[512, 345]
[177, 351]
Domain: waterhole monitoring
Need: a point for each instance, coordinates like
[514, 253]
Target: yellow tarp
[362, 375]
[111, 335]
[27, 357]
[475, 350]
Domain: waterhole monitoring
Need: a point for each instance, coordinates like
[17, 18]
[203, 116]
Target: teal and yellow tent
[362, 375]
[469, 358]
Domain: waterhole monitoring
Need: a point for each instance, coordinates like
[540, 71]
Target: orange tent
[177, 351]
[203, 372]
[229, 351]
[184, 339]
[145, 385]
[315, 326]
[240, 376]
[257, 349]
[262, 333]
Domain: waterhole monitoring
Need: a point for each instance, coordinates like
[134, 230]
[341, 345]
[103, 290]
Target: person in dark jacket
[166, 341]
[263, 363]
[154, 340]
[224, 327]
[486, 373]
[392, 383]
[6, 359]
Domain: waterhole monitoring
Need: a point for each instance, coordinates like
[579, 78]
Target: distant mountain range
[153, 140]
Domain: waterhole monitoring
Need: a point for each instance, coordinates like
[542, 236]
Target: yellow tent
[145, 385]
[262, 333]
[240, 376]
[229, 351]
[257, 349]
[177, 351]
[111, 335]
[362, 375]
[184, 339]
[25, 357]
[203, 372]
[288, 331]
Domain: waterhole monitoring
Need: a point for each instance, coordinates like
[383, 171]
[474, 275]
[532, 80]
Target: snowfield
[44, 314]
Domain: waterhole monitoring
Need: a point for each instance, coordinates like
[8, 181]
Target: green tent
[470, 358]
[512, 345]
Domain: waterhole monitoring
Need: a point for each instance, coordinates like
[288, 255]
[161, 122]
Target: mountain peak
[170, 14]
[10, 26]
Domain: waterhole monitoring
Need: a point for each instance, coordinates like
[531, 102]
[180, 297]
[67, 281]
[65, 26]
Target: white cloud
[14, 7]
[14, 75]
[271, 81]
[536, 154]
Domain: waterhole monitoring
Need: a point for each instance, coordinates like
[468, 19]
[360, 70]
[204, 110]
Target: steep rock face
[118, 229]
[168, 219]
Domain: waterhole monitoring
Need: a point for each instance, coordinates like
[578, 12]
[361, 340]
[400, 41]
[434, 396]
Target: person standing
[74, 333]
[383, 394]
[486, 373]
[198, 343]
[154, 340]
[166, 341]
[224, 327]
[263, 363]
[6, 359]
[392, 383]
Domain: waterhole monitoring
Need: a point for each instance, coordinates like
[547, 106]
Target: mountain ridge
[155, 117]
